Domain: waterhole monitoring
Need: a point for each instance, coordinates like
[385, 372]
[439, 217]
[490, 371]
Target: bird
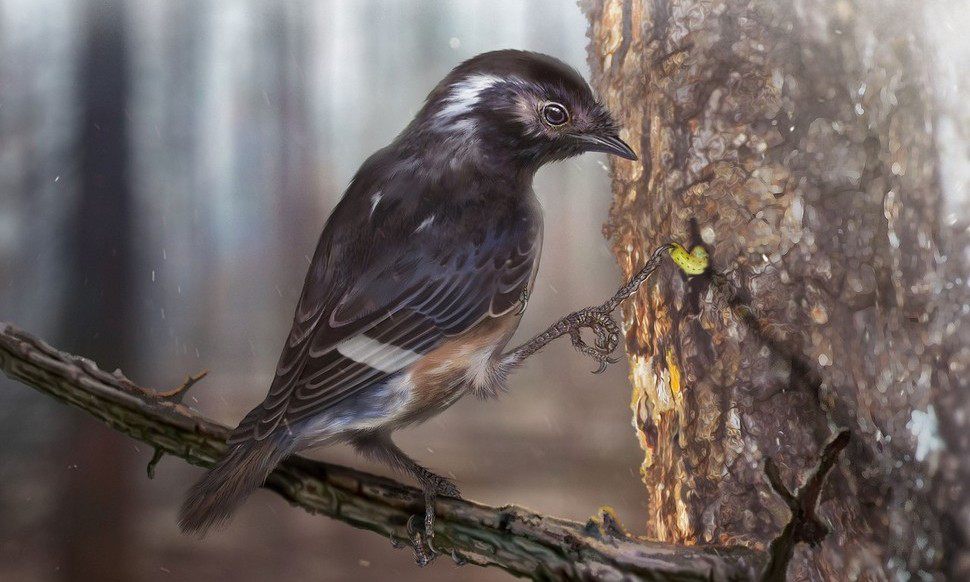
[420, 276]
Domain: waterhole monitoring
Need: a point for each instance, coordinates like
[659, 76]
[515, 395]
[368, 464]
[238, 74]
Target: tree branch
[514, 539]
[804, 525]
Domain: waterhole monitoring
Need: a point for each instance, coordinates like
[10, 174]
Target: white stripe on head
[380, 356]
[464, 95]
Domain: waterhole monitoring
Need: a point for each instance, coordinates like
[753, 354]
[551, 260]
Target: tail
[241, 471]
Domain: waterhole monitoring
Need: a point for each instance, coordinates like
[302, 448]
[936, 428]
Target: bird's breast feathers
[467, 362]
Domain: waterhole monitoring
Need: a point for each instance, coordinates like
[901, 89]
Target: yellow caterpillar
[694, 262]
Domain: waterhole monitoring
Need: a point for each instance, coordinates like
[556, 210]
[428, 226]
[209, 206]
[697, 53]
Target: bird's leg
[382, 448]
[433, 485]
[599, 318]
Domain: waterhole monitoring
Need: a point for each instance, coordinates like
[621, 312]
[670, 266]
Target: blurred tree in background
[95, 502]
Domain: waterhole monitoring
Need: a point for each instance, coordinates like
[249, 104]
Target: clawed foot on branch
[607, 333]
[420, 539]
[419, 542]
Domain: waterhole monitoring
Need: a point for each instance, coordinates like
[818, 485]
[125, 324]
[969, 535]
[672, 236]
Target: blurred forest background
[165, 169]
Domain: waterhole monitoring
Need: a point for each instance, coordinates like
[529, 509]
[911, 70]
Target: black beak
[611, 144]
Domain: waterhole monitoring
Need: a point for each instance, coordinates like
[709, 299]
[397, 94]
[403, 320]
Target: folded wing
[392, 314]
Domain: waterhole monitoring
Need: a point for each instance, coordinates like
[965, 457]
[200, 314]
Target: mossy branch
[519, 541]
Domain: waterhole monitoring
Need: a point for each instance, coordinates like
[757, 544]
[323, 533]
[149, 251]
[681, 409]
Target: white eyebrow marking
[377, 355]
[374, 201]
[425, 223]
[464, 95]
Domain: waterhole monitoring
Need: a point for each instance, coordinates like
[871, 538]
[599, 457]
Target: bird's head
[520, 107]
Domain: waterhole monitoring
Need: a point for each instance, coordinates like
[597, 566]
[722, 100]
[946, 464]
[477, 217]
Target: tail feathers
[241, 471]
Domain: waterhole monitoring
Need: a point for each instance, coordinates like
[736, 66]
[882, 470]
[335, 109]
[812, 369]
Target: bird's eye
[555, 114]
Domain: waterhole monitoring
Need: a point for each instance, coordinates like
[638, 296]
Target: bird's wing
[393, 314]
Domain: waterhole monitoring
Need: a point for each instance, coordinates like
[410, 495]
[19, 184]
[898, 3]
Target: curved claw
[412, 529]
[456, 557]
[420, 559]
[607, 336]
[523, 302]
[424, 552]
[431, 549]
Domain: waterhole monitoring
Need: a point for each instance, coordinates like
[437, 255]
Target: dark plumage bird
[420, 276]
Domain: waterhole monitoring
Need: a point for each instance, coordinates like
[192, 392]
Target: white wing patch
[377, 355]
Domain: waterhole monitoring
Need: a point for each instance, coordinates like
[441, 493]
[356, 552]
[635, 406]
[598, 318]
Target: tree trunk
[795, 139]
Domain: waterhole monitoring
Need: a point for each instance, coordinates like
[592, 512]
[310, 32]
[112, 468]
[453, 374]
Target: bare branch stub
[804, 525]
[176, 394]
[153, 463]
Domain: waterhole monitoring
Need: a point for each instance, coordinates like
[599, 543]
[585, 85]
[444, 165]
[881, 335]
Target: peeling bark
[795, 139]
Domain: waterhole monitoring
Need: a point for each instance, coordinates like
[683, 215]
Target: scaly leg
[599, 318]
[380, 447]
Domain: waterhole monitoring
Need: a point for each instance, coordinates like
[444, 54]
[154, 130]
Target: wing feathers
[389, 316]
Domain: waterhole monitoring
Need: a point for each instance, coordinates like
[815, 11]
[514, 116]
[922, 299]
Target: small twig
[156, 457]
[804, 525]
[176, 395]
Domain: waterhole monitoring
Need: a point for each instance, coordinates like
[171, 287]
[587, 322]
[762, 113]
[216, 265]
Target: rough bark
[514, 539]
[795, 139]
